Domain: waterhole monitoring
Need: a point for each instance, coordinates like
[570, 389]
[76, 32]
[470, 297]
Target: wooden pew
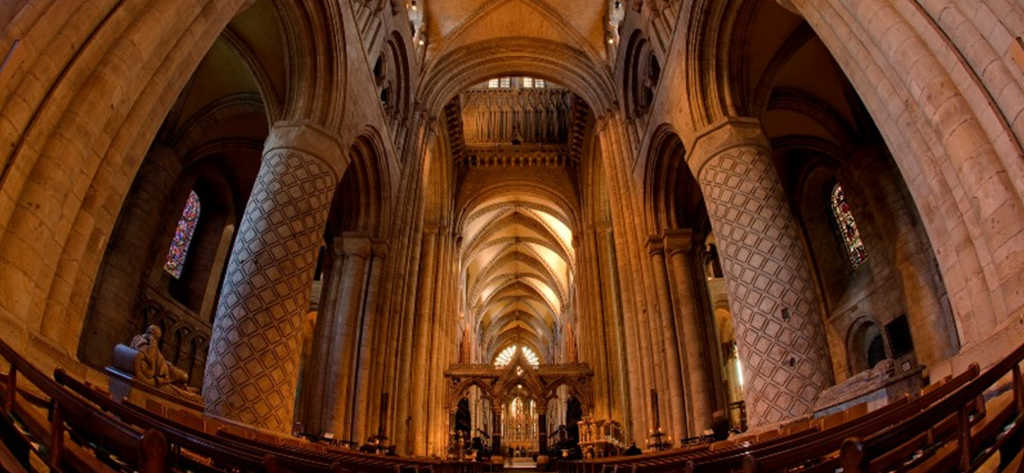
[796, 451]
[294, 457]
[10, 463]
[222, 456]
[863, 454]
[335, 454]
[70, 417]
[821, 452]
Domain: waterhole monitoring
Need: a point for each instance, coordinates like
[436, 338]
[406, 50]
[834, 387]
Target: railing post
[154, 452]
[851, 456]
[269, 463]
[56, 434]
[964, 434]
[749, 463]
[1018, 389]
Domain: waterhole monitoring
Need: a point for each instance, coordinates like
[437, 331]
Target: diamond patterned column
[779, 332]
[254, 349]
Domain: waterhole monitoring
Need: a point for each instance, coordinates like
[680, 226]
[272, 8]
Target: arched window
[183, 236]
[507, 354]
[848, 228]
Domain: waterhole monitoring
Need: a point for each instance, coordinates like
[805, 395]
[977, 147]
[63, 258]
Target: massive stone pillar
[779, 332]
[696, 359]
[343, 337]
[369, 331]
[329, 398]
[677, 418]
[254, 349]
[317, 382]
[423, 322]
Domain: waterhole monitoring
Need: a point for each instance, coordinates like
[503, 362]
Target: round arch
[544, 59]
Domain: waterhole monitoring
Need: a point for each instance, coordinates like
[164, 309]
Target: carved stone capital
[356, 244]
[310, 139]
[380, 248]
[655, 246]
[678, 240]
[724, 134]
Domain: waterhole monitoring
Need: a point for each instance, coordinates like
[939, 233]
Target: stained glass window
[506, 355]
[183, 236]
[848, 228]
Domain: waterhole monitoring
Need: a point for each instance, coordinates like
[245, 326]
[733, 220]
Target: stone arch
[864, 339]
[579, 388]
[931, 126]
[392, 76]
[636, 93]
[518, 336]
[544, 59]
[269, 92]
[812, 196]
[189, 136]
[97, 151]
[458, 390]
[528, 378]
[221, 203]
[317, 76]
[139, 60]
[529, 331]
[561, 202]
[674, 199]
[361, 202]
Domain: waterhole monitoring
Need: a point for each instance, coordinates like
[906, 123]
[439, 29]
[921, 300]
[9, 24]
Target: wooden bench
[183, 427]
[189, 446]
[823, 441]
[977, 435]
[820, 453]
[111, 441]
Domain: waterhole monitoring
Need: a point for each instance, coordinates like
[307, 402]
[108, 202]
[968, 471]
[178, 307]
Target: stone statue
[150, 364]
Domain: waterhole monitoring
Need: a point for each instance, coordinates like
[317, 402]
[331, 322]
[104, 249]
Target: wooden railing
[950, 427]
[961, 432]
[72, 426]
[99, 442]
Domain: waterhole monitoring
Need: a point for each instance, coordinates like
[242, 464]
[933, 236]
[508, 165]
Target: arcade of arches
[343, 213]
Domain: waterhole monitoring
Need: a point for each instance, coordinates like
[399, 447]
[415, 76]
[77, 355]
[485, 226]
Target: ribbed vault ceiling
[518, 261]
